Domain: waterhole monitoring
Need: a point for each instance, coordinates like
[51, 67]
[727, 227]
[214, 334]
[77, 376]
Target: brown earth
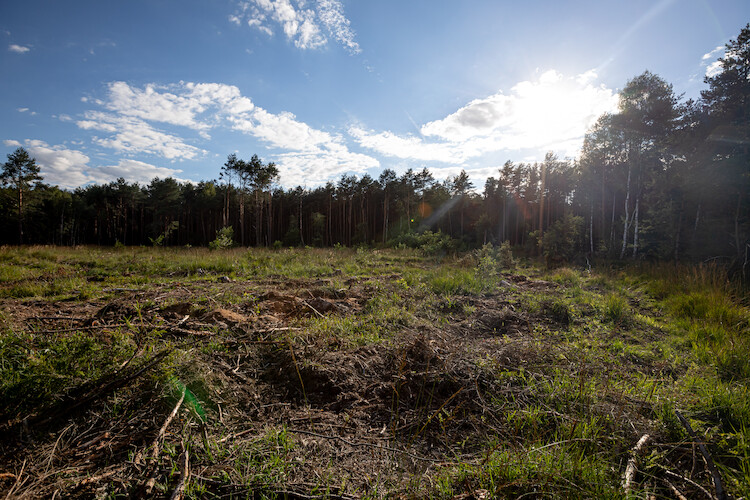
[362, 419]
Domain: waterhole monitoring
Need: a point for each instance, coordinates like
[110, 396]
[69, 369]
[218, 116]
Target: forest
[662, 179]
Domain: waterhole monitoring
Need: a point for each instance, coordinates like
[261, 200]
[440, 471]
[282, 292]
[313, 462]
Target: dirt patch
[261, 391]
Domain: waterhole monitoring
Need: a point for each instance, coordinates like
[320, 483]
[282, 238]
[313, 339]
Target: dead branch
[104, 389]
[52, 453]
[313, 309]
[157, 440]
[18, 481]
[686, 480]
[155, 445]
[55, 318]
[632, 468]
[720, 494]
[369, 445]
[179, 491]
[676, 492]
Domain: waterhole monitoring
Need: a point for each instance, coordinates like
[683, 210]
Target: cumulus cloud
[711, 63]
[551, 112]
[303, 26]
[128, 116]
[132, 135]
[70, 168]
[18, 49]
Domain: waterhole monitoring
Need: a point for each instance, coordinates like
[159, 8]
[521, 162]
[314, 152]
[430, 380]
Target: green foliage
[559, 242]
[224, 239]
[504, 256]
[159, 240]
[616, 309]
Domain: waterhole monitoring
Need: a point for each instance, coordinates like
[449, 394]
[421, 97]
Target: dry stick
[296, 367]
[156, 358]
[632, 468]
[18, 480]
[79, 329]
[720, 495]
[686, 480]
[435, 413]
[52, 453]
[313, 309]
[155, 445]
[676, 492]
[184, 474]
[368, 445]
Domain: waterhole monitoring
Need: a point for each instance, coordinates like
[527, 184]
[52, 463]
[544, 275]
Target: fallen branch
[676, 492]
[156, 445]
[179, 491]
[313, 309]
[632, 468]
[78, 398]
[18, 481]
[369, 445]
[686, 480]
[720, 494]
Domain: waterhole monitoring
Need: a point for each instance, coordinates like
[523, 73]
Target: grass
[539, 385]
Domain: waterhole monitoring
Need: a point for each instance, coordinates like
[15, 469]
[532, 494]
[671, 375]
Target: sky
[101, 89]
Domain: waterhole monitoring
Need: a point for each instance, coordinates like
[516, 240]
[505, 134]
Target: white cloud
[303, 26]
[331, 14]
[713, 54]
[134, 171]
[315, 168]
[713, 69]
[18, 49]
[711, 63]
[408, 147]
[69, 168]
[551, 112]
[129, 113]
[132, 135]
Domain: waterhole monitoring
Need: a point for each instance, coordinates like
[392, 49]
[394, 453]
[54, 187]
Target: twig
[52, 453]
[162, 431]
[155, 446]
[676, 492]
[235, 436]
[720, 495]
[632, 468]
[313, 309]
[18, 480]
[435, 413]
[685, 479]
[184, 475]
[369, 445]
[55, 318]
[79, 329]
[106, 388]
[296, 367]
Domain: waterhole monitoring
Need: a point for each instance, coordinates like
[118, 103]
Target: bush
[428, 243]
[559, 241]
[224, 239]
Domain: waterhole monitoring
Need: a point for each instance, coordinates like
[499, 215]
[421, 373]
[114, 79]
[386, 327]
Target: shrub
[224, 239]
[559, 241]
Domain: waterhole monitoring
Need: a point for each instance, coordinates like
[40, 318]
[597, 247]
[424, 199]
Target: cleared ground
[363, 374]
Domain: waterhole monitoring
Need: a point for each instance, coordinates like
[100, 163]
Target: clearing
[365, 374]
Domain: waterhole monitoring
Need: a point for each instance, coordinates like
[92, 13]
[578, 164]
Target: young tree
[20, 172]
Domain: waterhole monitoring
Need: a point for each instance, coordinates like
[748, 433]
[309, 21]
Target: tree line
[662, 178]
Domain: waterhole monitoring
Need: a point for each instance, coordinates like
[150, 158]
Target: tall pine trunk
[626, 225]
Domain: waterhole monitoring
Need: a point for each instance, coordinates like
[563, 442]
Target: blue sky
[101, 89]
